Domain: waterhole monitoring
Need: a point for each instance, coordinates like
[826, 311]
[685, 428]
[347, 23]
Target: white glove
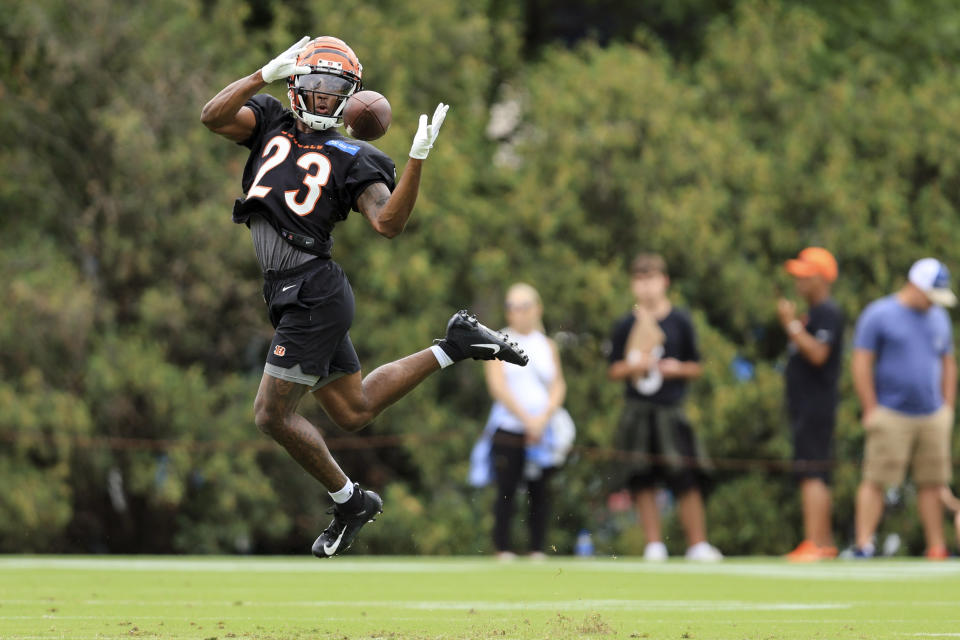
[427, 133]
[285, 64]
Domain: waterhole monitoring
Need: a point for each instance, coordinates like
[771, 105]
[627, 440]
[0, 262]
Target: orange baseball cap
[813, 261]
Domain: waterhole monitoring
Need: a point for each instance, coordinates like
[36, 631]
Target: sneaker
[704, 552]
[655, 552]
[937, 553]
[345, 526]
[809, 551]
[806, 551]
[467, 338]
[864, 553]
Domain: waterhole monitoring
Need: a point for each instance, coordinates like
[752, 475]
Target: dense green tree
[725, 135]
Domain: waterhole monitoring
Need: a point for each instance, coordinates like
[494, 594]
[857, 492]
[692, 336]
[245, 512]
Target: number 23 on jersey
[315, 164]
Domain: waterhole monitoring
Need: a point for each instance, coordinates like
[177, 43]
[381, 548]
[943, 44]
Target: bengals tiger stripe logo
[279, 350]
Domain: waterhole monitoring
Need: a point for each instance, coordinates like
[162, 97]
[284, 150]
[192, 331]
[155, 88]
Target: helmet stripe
[348, 61]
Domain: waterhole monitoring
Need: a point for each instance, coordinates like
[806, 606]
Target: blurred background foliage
[724, 134]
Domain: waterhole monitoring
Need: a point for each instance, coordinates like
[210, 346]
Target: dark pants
[509, 457]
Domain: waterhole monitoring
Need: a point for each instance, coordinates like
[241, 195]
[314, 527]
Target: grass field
[402, 598]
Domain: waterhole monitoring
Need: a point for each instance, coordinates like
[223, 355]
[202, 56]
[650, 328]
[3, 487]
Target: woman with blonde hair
[526, 414]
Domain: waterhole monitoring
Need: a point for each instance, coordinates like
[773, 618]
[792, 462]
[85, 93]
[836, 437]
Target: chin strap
[318, 124]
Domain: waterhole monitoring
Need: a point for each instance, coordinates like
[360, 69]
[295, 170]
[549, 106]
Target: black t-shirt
[305, 182]
[680, 343]
[812, 388]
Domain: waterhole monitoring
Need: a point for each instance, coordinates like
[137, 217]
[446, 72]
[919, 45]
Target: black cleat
[338, 537]
[467, 338]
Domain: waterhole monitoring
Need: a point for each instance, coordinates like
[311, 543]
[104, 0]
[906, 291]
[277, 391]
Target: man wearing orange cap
[813, 372]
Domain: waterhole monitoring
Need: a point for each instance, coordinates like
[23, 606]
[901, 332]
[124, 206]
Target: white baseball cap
[933, 278]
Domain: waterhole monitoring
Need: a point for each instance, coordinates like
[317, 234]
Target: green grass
[402, 598]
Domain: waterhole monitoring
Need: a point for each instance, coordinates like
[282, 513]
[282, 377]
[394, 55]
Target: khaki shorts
[896, 440]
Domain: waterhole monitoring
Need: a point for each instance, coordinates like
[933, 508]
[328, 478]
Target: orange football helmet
[335, 72]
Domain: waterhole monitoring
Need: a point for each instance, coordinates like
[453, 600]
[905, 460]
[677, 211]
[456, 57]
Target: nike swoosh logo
[331, 549]
[493, 347]
[289, 286]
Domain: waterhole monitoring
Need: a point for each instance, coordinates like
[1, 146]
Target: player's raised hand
[285, 64]
[427, 132]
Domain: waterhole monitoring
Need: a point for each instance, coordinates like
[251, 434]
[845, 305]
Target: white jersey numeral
[314, 182]
[281, 149]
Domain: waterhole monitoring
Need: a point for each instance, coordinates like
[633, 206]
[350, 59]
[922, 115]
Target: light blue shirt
[909, 346]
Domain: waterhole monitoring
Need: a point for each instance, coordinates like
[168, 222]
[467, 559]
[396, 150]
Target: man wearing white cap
[905, 375]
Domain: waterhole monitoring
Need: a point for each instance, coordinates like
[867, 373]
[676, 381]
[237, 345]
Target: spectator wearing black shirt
[654, 352]
[812, 376]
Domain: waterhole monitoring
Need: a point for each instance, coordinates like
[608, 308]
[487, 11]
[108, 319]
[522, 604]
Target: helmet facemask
[318, 98]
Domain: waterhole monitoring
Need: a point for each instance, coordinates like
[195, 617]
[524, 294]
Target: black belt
[300, 241]
[272, 275]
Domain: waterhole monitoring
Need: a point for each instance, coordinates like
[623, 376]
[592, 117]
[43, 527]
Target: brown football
[367, 115]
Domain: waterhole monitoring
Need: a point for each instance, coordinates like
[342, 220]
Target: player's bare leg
[275, 411]
[275, 415]
[352, 402]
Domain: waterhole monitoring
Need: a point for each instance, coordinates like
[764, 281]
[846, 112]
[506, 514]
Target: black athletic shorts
[311, 307]
[656, 445]
[812, 434]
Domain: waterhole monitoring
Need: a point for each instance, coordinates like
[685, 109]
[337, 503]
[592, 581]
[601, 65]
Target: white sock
[344, 494]
[441, 356]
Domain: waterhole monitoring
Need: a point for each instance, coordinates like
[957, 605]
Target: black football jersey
[304, 183]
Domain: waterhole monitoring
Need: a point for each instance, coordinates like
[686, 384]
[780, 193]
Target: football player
[301, 178]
